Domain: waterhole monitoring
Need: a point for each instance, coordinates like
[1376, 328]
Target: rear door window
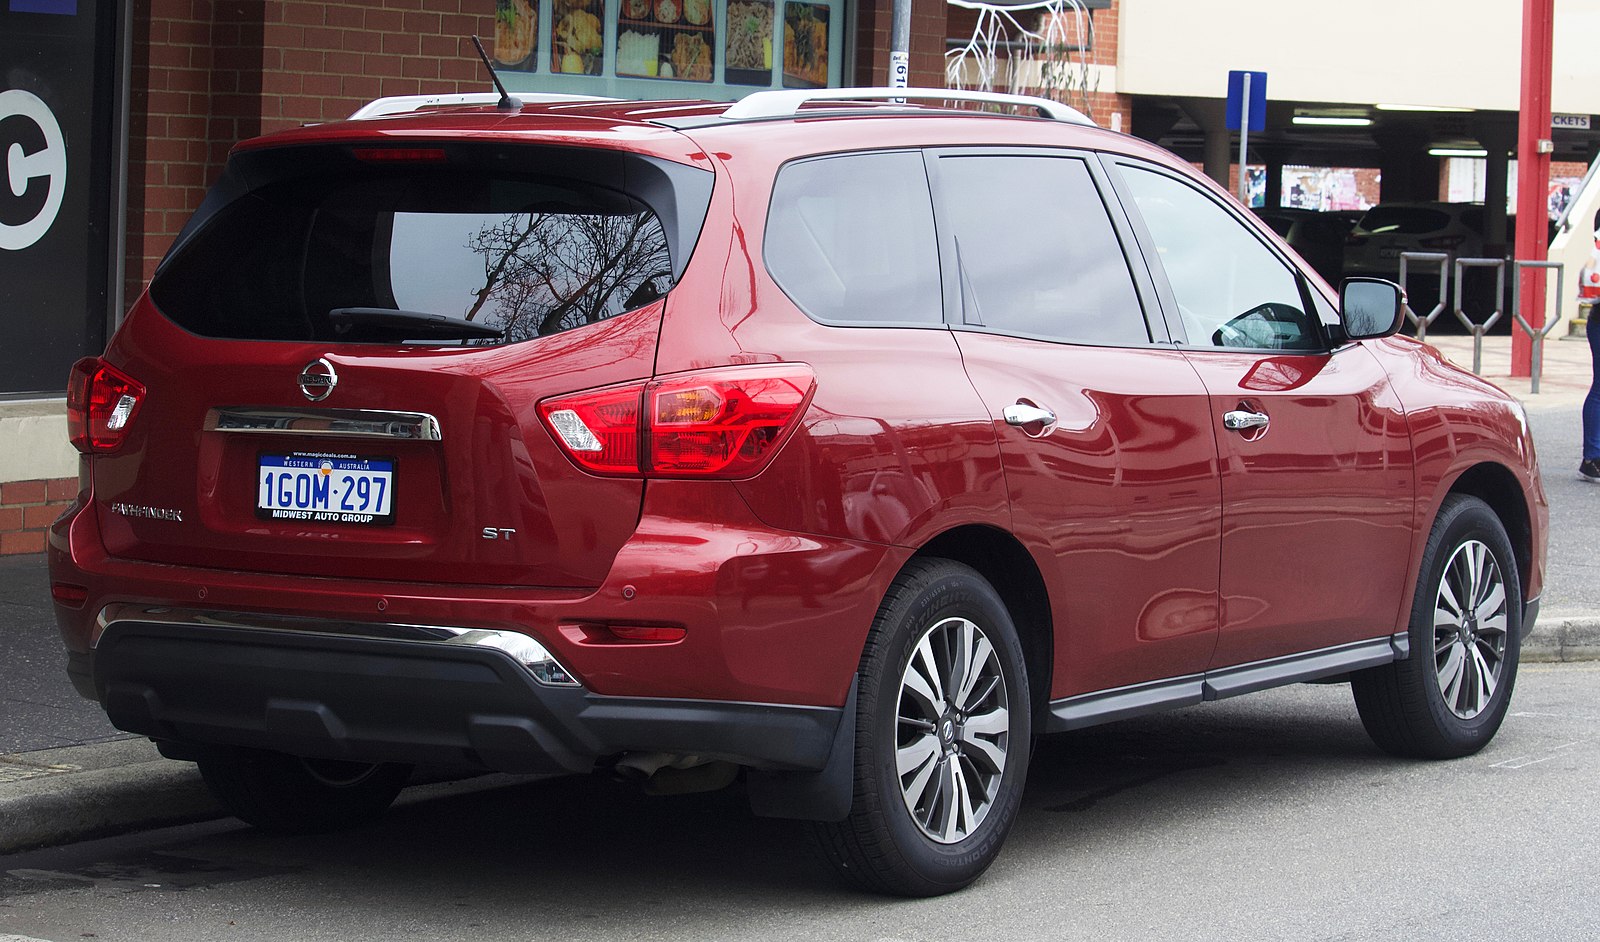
[418, 254]
[850, 239]
[1035, 250]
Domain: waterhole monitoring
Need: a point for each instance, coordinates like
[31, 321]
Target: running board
[1105, 706]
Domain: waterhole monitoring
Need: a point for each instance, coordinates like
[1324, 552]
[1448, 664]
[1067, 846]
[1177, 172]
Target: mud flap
[812, 796]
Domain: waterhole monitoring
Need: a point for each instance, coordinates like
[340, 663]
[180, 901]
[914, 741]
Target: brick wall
[209, 73]
[1102, 102]
[874, 25]
[27, 508]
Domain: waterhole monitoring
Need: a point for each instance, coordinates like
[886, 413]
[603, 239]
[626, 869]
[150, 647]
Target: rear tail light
[723, 424]
[101, 403]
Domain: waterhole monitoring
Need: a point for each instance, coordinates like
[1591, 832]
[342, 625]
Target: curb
[80, 793]
[1560, 639]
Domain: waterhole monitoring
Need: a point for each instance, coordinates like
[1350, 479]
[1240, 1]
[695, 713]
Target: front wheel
[1449, 697]
[943, 733]
[290, 795]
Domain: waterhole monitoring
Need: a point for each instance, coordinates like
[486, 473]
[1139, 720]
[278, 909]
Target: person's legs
[1590, 469]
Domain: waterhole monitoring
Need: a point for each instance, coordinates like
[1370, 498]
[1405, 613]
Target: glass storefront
[58, 103]
[717, 49]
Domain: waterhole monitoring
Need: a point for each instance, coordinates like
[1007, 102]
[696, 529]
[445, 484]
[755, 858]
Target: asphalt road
[1265, 817]
[38, 707]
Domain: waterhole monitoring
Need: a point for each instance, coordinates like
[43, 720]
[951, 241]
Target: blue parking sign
[1258, 99]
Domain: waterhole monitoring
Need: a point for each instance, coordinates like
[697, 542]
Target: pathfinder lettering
[150, 513]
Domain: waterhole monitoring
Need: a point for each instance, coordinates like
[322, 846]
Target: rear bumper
[329, 695]
[764, 615]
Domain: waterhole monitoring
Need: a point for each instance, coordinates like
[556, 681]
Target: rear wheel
[1449, 697]
[291, 795]
[943, 732]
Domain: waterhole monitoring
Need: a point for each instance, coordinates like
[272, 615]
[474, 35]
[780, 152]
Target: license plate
[325, 488]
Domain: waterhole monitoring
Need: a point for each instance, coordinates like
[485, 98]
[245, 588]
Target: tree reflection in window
[548, 272]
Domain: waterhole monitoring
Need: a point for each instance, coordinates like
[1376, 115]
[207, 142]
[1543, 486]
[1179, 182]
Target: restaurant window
[643, 49]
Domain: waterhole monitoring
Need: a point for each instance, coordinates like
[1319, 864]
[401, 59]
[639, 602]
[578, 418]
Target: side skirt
[1120, 703]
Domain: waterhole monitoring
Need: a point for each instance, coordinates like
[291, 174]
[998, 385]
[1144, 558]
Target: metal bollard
[1422, 323]
[1478, 330]
[1536, 335]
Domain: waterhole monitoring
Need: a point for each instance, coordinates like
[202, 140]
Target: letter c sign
[33, 169]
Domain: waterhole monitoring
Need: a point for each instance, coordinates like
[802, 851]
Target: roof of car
[585, 119]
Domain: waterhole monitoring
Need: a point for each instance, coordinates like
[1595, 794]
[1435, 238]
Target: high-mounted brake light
[400, 155]
[101, 403]
[724, 423]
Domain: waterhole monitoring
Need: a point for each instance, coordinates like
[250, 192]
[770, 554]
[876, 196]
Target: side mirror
[1370, 307]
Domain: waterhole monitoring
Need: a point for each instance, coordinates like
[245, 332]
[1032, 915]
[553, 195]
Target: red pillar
[1533, 170]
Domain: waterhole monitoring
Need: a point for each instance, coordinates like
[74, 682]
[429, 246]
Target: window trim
[766, 228]
[1145, 291]
[1169, 299]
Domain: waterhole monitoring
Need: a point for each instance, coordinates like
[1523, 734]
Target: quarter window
[1231, 290]
[850, 239]
[1036, 251]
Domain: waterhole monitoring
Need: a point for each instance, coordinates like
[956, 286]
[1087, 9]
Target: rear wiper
[368, 323]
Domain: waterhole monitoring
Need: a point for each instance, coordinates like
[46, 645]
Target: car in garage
[1319, 238]
[816, 444]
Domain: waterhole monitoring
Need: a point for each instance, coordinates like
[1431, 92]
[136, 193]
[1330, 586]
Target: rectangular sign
[1258, 99]
[1575, 122]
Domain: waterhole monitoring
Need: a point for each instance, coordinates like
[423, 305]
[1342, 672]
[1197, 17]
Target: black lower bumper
[382, 700]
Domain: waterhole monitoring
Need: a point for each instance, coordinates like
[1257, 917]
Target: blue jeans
[1591, 404]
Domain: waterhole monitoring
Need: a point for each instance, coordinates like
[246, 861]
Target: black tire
[884, 845]
[289, 795]
[1405, 705]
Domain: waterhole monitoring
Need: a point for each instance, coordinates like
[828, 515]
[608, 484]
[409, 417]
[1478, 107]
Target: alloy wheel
[952, 731]
[1469, 629]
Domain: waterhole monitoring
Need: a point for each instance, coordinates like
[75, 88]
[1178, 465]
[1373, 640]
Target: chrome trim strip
[529, 653]
[336, 423]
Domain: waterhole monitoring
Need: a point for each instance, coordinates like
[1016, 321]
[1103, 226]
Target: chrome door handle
[1239, 420]
[1020, 414]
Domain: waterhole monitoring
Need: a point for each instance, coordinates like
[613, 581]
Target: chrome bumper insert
[529, 653]
[335, 423]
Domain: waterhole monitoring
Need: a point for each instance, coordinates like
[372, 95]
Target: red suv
[834, 447]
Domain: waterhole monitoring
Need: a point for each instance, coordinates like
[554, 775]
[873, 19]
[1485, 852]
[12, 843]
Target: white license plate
[325, 488]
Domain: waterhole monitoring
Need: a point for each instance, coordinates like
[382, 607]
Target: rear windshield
[1406, 220]
[415, 254]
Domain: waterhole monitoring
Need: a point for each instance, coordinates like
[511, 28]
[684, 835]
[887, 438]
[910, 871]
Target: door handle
[1239, 420]
[1021, 414]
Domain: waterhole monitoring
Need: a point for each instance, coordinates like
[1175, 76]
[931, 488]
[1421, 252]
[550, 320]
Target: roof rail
[404, 104]
[787, 102]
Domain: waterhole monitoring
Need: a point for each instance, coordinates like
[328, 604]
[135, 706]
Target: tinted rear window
[1407, 220]
[527, 255]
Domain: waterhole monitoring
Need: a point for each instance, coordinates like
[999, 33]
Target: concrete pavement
[66, 775]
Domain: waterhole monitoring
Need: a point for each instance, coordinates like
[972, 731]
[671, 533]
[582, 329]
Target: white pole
[1244, 139]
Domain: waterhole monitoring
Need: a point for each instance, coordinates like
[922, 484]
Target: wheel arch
[1001, 559]
[1497, 486]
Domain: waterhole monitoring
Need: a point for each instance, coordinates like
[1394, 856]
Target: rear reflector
[723, 423]
[101, 403]
[65, 593]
